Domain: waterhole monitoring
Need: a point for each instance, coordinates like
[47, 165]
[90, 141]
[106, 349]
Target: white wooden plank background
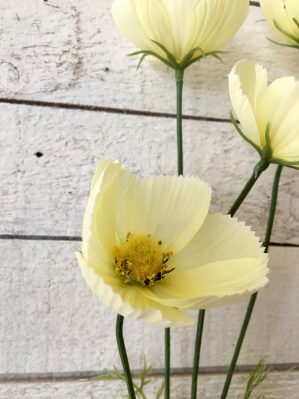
[47, 195]
[58, 55]
[69, 45]
[277, 386]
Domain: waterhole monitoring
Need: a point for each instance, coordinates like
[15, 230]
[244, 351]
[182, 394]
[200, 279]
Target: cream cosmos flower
[179, 31]
[151, 251]
[268, 113]
[283, 16]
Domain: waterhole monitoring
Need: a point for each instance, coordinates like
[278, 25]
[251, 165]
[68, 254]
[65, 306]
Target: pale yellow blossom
[268, 113]
[151, 251]
[283, 16]
[186, 29]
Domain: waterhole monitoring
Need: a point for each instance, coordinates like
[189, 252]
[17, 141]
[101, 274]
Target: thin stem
[179, 76]
[254, 296]
[258, 169]
[273, 205]
[167, 364]
[124, 357]
[198, 340]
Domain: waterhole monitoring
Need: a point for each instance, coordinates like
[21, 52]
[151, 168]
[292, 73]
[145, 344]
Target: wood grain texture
[47, 195]
[277, 386]
[71, 51]
[51, 322]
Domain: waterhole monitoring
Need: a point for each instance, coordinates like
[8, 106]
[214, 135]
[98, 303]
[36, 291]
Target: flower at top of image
[151, 251]
[179, 32]
[268, 113]
[283, 16]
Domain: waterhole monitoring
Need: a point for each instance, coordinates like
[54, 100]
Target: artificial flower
[150, 250]
[179, 32]
[268, 113]
[283, 16]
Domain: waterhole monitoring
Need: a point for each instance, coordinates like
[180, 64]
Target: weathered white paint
[71, 52]
[47, 195]
[277, 386]
[61, 51]
[51, 322]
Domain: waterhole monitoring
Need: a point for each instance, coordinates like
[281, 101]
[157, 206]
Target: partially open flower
[151, 251]
[179, 32]
[268, 113]
[283, 16]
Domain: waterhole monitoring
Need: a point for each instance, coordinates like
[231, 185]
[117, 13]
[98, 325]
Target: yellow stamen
[141, 259]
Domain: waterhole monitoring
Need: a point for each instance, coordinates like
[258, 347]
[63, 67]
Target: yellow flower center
[141, 259]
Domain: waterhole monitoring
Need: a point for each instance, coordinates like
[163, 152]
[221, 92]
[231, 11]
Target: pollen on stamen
[141, 259]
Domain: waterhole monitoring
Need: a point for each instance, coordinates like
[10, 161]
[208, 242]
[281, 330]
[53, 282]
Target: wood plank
[51, 322]
[71, 52]
[47, 195]
[277, 386]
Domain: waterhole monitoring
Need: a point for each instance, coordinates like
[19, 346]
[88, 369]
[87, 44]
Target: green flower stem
[179, 77]
[124, 357]
[167, 364]
[261, 166]
[198, 339]
[254, 296]
[258, 170]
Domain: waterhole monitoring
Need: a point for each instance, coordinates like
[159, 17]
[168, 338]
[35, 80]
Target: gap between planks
[176, 372]
[134, 112]
[109, 110]
[79, 239]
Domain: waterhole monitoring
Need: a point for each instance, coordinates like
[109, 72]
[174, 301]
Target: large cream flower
[283, 16]
[151, 251]
[185, 29]
[268, 114]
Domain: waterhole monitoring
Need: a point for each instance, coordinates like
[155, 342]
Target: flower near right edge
[268, 113]
[283, 16]
[151, 251]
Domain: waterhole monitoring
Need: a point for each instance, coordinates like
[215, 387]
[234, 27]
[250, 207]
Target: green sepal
[279, 161]
[141, 60]
[238, 129]
[170, 57]
[190, 55]
[146, 53]
[283, 44]
[171, 61]
[268, 148]
[261, 166]
[296, 22]
[285, 33]
[188, 60]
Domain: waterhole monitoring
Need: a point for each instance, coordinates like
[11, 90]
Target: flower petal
[274, 10]
[181, 26]
[292, 10]
[98, 235]
[247, 81]
[213, 284]
[224, 258]
[178, 25]
[205, 24]
[278, 106]
[219, 20]
[171, 209]
[143, 21]
[221, 237]
[129, 301]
